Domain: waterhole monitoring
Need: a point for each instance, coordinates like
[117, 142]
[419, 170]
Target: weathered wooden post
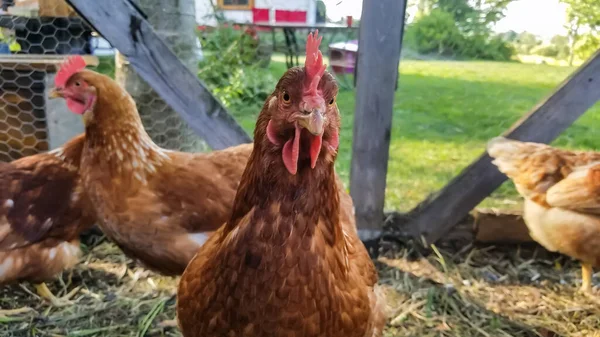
[380, 40]
[175, 22]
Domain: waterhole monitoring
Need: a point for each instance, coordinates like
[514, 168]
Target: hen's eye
[332, 101]
[286, 97]
[77, 83]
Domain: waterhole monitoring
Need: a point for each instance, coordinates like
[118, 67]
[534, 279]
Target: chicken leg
[44, 292]
[586, 276]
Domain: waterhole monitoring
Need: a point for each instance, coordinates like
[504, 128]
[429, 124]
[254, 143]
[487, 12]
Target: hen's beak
[313, 122]
[55, 93]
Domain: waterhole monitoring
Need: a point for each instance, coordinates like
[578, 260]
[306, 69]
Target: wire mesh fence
[36, 36]
[31, 38]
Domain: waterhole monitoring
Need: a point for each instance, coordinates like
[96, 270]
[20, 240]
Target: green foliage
[232, 70]
[583, 14]
[526, 42]
[586, 12]
[435, 33]
[475, 17]
[560, 40]
[587, 45]
[510, 36]
[106, 66]
[439, 33]
[546, 50]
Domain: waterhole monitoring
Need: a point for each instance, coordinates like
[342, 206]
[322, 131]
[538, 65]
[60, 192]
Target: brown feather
[157, 205]
[42, 212]
[562, 193]
[289, 261]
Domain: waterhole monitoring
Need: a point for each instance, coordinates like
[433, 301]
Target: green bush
[494, 48]
[587, 46]
[438, 33]
[546, 50]
[435, 33]
[231, 70]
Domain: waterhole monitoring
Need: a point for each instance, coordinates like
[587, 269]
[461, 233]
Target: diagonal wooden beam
[125, 27]
[436, 216]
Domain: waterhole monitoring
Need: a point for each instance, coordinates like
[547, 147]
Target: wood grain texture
[124, 26]
[380, 40]
[436, 216]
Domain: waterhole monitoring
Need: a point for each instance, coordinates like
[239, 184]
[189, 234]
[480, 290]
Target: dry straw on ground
[475, 291]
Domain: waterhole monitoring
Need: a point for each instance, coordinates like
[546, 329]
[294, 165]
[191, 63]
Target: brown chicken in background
[42, 212]
[158, 206]
[562, 197]
[289, 261]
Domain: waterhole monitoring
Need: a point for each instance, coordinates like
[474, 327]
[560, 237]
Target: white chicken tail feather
[505, 152]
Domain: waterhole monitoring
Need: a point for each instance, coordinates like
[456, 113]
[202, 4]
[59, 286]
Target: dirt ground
[472, 291]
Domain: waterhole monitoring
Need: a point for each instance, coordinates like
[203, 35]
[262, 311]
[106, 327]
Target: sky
[545, 18]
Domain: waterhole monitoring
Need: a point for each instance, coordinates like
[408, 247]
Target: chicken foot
[44, 292]
[586, 276]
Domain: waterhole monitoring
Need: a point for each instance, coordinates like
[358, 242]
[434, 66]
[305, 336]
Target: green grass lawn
[444, 113]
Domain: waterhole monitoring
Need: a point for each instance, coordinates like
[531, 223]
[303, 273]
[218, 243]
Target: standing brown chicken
[42, 212]
[562, 197]
[158, 206]
[288, 262]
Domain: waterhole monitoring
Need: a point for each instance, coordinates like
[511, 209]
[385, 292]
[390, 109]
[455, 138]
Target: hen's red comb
[72, 65]
[314, 60]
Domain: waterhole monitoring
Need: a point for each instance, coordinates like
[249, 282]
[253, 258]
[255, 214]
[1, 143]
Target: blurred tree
[586, 11]
[560, 40]
[526, 42]
[439, 33]
[476, 16]
[436, 33]
[510, 36]
[583, 14]
[586, 45]
[548, 50]
[561, 43]
[321, 12]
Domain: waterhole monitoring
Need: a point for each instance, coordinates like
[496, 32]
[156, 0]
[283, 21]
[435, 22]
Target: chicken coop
[35, 37]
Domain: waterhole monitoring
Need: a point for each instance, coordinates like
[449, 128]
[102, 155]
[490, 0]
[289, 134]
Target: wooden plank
[488, 226]
[49, 63]
[380, 39]
[500, 227]
[436, 216]
[124, 26]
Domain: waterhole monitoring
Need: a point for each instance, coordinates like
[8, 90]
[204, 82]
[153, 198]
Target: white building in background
[247, 11]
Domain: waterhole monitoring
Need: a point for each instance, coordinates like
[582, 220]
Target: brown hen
[158, 206]
[562, 197]
[289, 261]
[42, 212]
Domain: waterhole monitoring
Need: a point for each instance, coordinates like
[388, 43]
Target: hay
[477, 291]
[116, 298]
[488, 291]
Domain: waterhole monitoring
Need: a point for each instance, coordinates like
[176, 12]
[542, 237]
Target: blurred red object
[251, 31]
[349, 20]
